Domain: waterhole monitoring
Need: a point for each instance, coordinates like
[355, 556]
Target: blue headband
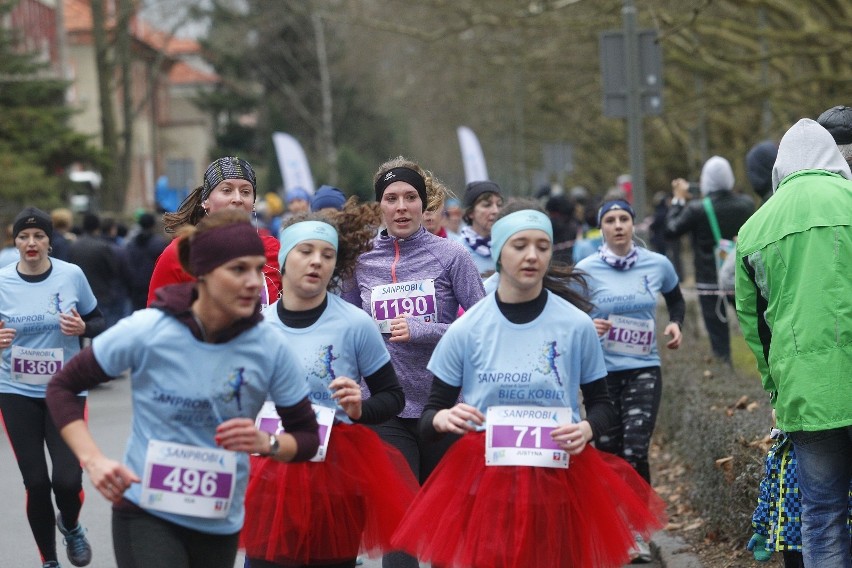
[615, 204]
[304, 231]
[516, 222]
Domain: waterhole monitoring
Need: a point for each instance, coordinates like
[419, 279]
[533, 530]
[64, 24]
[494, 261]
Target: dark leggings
[422, 457]
[636, 394]
[142, 540]
[30, 427]
[712, 306]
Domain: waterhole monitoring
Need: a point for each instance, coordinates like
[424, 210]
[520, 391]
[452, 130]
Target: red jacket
[169, 271]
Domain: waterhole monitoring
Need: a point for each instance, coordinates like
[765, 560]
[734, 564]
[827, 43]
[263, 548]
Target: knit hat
[476, 188]
[229, 167]
[33, 218]
[838, 121]
[759, 162]
[297, 193]
[328, 196]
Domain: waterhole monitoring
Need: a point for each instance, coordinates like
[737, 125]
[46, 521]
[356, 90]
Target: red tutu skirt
[322, 512]
[471, 516]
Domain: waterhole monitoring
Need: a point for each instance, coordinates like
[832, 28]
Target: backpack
[724, 252]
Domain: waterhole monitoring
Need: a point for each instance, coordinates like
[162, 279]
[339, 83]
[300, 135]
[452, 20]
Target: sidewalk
[673, 552]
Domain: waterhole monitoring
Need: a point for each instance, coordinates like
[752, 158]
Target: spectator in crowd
[731, 211]
[143, 250]
[63, 221]
[328, 197]
[838, 121]
[453, 223]
[794, 300]
[560, 209]
[103, 268]
[759, 162]
[298, 200]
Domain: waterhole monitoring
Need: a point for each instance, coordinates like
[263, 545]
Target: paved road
[109, 419]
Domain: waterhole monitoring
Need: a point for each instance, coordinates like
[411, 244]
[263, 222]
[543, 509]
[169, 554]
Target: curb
[673, 552]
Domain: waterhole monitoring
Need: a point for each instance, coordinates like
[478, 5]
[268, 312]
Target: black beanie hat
[476, 188]
[838, 121]
[32, 218]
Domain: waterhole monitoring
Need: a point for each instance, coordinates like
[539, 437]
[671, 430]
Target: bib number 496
[191, 481]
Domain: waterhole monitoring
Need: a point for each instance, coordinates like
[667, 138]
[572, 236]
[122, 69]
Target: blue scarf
[479, 245]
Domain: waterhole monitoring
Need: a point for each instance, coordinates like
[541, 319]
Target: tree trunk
[109, 137]
[325, 93]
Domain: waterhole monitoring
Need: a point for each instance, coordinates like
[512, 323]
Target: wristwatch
[273, 446]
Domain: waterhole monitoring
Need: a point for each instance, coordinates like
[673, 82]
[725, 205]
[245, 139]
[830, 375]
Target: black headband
[407, 175]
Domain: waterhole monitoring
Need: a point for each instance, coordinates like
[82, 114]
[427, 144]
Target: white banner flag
[293, 164]
[472, 158]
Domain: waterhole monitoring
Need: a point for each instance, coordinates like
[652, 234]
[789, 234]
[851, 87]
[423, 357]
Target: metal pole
[634, 108]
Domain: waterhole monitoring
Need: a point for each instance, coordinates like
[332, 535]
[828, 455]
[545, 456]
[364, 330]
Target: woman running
[229, 183]
[202, 363]
[320, 513]
[523, 487]
[624, 281]
[412, 283]
[41, 302]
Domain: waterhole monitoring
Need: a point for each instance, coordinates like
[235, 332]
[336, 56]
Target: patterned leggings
[636, 394]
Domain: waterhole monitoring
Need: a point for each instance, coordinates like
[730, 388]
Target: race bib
[415, 299]
[35, 366]
[520, 435]
[188, 480]
[630, 336]
[268, 421]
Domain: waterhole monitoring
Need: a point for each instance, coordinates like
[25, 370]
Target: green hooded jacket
[794, 283]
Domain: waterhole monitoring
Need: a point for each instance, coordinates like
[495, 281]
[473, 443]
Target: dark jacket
[101, 266]
[142, 254]
[732, 210]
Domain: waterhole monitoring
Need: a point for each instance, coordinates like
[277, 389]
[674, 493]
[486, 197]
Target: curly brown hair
[356, 225]
[437, 193]
[561, 278]
[209, 222]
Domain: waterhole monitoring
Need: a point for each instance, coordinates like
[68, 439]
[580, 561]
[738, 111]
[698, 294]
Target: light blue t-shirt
[8, 255]
[631, 293]
[540, 363]
[343, 342]
[32, 309]
[183, 388]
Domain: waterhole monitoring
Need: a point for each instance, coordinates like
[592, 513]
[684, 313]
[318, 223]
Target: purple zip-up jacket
[418, 257]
